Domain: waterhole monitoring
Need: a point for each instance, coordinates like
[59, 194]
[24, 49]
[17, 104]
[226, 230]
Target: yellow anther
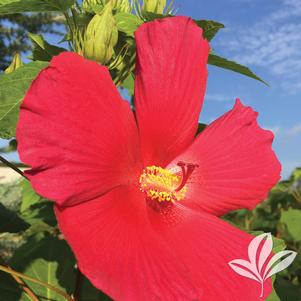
[161, 184]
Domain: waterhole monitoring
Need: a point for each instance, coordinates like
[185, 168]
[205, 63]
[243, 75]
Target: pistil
[187, 170]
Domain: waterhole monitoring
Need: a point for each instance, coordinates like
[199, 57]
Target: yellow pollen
[161, 184]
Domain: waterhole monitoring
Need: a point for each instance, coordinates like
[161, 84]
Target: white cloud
[273, 43]
[285, 132]
[275, 129]
[294, 131]
[219, 97]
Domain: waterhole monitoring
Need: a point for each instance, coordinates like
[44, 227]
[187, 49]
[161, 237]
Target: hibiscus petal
[170, 84]
[75, 131]
[236, 164]
[119, 252]
[206, 245]
[132, 252]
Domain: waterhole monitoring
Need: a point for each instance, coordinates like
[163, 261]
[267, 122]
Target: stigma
[166, 184]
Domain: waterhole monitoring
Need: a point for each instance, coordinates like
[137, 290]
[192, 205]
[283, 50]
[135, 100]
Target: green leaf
[43, 51]
[48, 259]
[278, 244]
[296, 175]
[29, 197]
[210, 28]
[36, 211]
[221, 62]
[127, 23]
[21, 6]
[292, 218]
[41, 216]
[12, 90]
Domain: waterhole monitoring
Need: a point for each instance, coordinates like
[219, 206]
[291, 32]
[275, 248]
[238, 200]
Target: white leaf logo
[259, 251]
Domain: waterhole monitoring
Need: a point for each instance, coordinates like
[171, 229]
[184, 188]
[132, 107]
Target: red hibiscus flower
[138, 197]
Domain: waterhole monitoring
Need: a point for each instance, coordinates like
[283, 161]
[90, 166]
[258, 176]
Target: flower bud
[15, 64]
[101, 36]
[154, 6]
[92, 6]
[95, 6]
[121, 6]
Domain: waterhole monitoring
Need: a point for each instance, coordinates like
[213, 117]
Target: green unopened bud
[154, 6]
[92, 6]
[121, 6]
[95, 6]
[15, 64]
[101, 36]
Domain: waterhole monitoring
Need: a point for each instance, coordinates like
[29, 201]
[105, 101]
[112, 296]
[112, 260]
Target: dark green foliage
[280, 214]
[37, 248]
[47, 258]
[19, 6]
[90, 293]
[10, 221]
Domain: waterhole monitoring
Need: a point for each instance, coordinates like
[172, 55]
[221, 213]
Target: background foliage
[14, 30]
[102, 30]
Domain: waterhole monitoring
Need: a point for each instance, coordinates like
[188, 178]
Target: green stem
[78, 285]
[25, 288]
[69, 24]
[12, 166]
[22, 284]
[58, 291]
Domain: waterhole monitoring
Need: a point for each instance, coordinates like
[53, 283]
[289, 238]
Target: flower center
[166, 184]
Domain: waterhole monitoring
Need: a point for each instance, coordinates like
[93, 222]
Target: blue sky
[266, 36]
